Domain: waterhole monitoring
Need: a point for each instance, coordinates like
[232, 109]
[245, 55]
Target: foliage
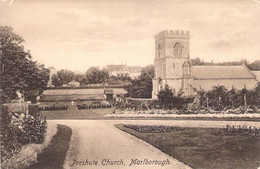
[9, 143]
[62, 77]
[96, 76]
[220, 98]
[254, 65]
[53, 107]
[149, 70]
[140, 87]
[166, 96]
[251, 66]
[197, 61]
[81, 78]
[154, 129]
[124, 77]
[18, 130]
[243, 130]
[18, 71]
[169, 99]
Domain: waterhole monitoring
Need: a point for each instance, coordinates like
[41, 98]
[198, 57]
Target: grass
[53, 156]
[77, 114]
[206, 148]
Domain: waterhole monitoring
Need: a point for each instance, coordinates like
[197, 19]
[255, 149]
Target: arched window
[186, 68]
[159, 50]
[177, 49]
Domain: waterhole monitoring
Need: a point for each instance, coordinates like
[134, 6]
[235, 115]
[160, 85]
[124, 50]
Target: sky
[78, 34]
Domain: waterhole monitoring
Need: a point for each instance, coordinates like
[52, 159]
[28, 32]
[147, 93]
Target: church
[173, 68]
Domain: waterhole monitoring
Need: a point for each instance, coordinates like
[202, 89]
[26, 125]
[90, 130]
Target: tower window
[164, 70]
[173, 65]
[159, 50]
[177, 49]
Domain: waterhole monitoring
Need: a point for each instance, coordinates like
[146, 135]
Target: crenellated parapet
[173, 33]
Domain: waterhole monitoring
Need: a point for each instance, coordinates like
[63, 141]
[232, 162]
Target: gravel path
[101, 145]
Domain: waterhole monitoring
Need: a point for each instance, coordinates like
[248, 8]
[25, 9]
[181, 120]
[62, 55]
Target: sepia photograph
[138, 84]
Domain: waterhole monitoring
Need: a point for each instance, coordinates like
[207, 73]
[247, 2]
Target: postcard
[145, 84]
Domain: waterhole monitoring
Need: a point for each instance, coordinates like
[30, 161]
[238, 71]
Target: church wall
[176, 70]
[159, 68]
[155, 89]
[228, 83]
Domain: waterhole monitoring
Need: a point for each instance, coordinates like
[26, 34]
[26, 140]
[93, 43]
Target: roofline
[249, 70]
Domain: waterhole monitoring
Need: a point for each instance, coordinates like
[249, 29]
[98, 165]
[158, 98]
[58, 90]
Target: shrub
[33, 130]
[9, 143]
[18, 129]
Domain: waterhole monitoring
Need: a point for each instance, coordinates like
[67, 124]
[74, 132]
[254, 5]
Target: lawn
[206, 148]
[53, 156]
[77, 114]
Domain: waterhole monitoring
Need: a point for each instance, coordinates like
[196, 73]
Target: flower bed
[53, 107]
[178, 114]
[153, 129]
[93, 106]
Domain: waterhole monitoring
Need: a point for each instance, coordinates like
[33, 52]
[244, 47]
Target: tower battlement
[173, 33]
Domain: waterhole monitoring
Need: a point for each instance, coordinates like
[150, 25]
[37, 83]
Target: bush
[33, 130]
[9, 143]
[18, 130]
[53, 107]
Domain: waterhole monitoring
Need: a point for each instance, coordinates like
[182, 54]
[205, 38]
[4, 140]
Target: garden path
[99, 140]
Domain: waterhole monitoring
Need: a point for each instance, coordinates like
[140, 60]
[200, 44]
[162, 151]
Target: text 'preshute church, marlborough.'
[173, 68]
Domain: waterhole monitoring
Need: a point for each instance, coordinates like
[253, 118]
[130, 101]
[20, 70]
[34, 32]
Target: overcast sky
[77, 34]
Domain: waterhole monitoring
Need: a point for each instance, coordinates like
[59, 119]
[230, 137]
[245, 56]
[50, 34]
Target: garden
[206, 148]
[19, 129]
[27, 141]
[219, 102]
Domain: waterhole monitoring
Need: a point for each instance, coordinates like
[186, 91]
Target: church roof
[222, 72]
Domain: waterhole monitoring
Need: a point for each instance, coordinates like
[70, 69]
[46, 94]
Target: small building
[73, 84]
[109, 94]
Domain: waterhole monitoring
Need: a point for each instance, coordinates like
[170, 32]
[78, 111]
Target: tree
[254, 65]
[165, 97]
[169, 99]
[231, 97]
[81, 78]
[96, 76]
[149, 70]
[140, 87]
[218, 97]
[62, 77]
[196, 61]
[18, 71]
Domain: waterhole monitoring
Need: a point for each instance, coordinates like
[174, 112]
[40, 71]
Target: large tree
[142, 86]
[18, 71]
[96, 76]
[62, 77]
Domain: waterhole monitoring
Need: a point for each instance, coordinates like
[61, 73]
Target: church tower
[172, 62]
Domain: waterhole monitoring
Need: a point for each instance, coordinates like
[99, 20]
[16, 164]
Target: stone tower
[172, 62]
